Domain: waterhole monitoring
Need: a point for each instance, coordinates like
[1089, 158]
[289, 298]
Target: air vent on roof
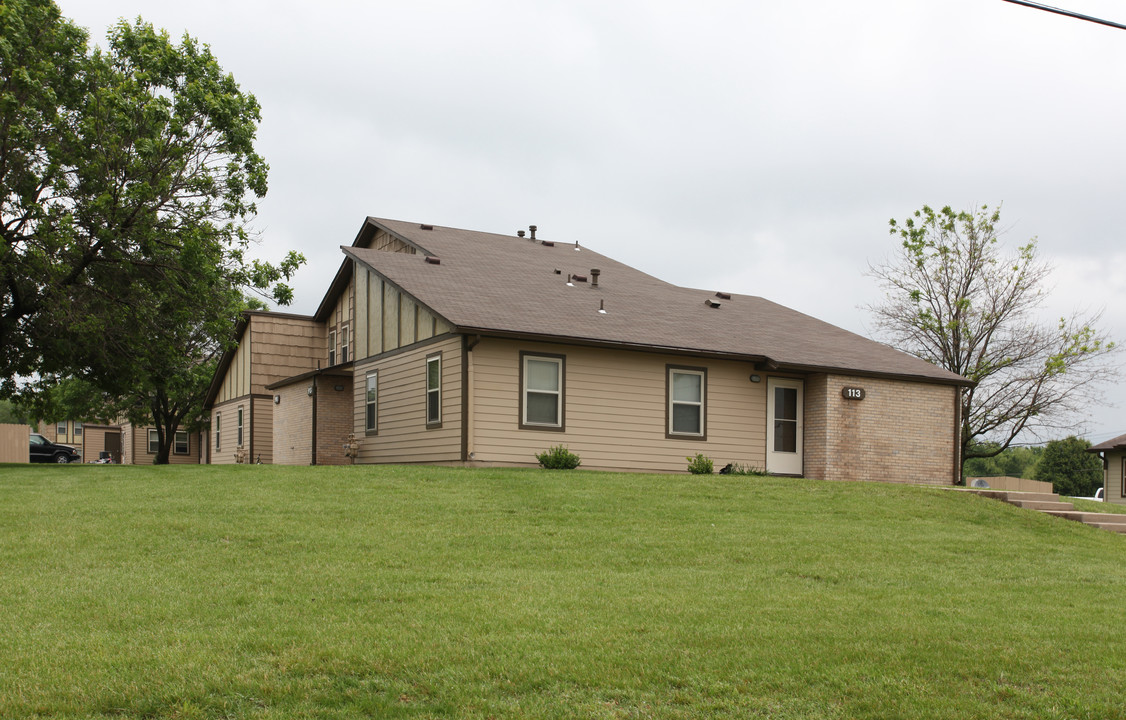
[520, 233]
[602, 307]
[532, 230]
[426, 227]
[594, 273]
[558, 271]
[579, 278]
[433, 260]
[711, 303]
[723, 295]
[547, 243]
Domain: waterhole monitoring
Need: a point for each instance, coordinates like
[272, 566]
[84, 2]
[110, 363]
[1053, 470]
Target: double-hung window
[239, 427]
[180, 446]
[542, 391]
[60, 429]
[218, 419]
[154, 442]
[344, 344]
[687, 393]
[331, 348]
[371, 391]
[77, 429]
[434, 390]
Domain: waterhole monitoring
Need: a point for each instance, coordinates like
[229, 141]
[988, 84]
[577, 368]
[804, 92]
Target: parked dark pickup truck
[43, 450]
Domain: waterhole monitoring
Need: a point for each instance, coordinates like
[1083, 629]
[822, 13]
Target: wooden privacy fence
[14, 443]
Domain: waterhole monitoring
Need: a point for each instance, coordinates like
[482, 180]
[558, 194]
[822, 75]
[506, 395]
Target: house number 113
[852, 393]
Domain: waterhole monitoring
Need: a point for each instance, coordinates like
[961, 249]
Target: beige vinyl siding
[262, 445]
[281, 347]
[390, 311]
[387, 242]
[138, 450]
[236, 383]
[342, 317]
[360, 332]
[374, 315]
[386, 319]
[14, 446]
[401, 407]
[1113, 491]
[615, 405]
[407, 320]
[228, 431]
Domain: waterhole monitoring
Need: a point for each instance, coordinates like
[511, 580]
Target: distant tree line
[1065, 464]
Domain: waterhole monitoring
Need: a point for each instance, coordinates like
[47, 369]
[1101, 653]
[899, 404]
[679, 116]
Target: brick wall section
[334, 419]
[900, 432]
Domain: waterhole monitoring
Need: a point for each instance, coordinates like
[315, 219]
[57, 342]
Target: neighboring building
[437, 345]
[124, 443]
[1113, 453]
[139, 446]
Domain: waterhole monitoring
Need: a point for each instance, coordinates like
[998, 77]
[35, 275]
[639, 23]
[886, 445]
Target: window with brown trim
[218, 419]
[344, 344]
[542, 391]
[180, 445]
[434, 390]
[154, 442]
[239, 443]
[331, 348]
[686, 390]
[371, 394]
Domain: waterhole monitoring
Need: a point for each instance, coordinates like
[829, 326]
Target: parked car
[1097, 498]
[43, 450]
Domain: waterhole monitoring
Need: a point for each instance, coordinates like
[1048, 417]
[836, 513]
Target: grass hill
[419, 592]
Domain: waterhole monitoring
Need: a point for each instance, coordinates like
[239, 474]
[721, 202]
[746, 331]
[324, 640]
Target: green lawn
[261, 592]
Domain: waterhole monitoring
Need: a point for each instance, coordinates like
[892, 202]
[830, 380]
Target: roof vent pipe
[532, 230]
[594, 273]
[520, 233]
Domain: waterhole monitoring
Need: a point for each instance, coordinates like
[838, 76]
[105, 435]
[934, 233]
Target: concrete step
[1042, 505]
[1011, 495]
[1089, 517]
[1119, 527]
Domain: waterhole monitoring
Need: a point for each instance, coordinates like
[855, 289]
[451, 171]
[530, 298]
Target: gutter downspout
[314, 397]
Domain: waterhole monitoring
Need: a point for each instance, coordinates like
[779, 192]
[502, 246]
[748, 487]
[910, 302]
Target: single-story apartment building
[125, 443]
[1113, 453]
[441, 345]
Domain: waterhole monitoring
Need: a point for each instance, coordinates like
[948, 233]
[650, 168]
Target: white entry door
[784, 426]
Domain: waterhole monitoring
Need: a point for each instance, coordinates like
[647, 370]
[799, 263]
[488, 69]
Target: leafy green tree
[1013, 461]
[114, 164]
[128, 178]
[12, 413]
[952, 297]
[1070, 468]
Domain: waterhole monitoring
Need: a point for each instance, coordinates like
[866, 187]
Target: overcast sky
[755, 147]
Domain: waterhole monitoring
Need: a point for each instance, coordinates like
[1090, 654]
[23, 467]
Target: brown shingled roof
[1117, 443]
[501, 284]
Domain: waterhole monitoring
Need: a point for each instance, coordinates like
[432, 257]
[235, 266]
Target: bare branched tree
[955, 298]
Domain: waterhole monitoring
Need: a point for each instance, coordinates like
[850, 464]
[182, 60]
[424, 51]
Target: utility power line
[1069, 13]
